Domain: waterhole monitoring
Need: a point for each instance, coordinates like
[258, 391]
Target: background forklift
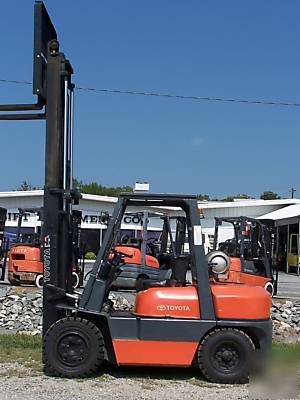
[148, 257]
[217, 326]
[25, 265]
[245, 258]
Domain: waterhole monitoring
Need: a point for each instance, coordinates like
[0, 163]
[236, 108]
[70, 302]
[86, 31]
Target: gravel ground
[125, 384]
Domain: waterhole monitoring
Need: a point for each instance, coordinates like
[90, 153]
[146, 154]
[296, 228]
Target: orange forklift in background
[24, 264]
[245, 258]
[149, 257]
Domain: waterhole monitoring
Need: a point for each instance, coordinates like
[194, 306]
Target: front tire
[73, 347]
[224, 356]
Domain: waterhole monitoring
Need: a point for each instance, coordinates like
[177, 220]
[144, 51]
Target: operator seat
[179, 267]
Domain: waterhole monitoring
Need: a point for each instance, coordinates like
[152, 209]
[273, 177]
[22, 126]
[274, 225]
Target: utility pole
[292, 190]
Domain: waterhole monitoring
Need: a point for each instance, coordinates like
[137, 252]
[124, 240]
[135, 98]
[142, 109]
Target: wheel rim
[227, 357]
[269, 288]
[39, 281]
[72, 349]
[75, 280]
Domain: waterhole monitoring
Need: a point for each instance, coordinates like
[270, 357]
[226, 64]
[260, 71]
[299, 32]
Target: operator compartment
[164, 302]
[240, 301]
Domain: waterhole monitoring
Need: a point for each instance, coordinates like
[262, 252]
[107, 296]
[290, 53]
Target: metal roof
[284, 216]
[201, 204]
[246, 203]
[39, 193]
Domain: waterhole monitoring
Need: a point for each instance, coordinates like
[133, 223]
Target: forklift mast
[52, 83]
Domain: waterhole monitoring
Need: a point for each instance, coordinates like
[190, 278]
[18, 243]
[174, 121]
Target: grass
[23, 350]
[286, 353]
[22, 356]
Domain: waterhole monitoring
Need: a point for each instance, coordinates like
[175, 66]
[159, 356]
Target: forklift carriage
[217, 326]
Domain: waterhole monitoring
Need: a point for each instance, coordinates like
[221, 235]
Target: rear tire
[73, 348]
[39, 281]
[224, 356]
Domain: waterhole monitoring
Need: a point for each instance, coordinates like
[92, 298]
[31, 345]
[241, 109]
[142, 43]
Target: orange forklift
[24, 263]
[245, 258]
[218, 326]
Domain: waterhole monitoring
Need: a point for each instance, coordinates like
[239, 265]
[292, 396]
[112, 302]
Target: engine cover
[231, 301]
[174, 302]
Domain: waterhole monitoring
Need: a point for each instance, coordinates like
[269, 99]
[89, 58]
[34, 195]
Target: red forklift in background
[218, 326]
[25, 265]
[245, 258]
[149, 257]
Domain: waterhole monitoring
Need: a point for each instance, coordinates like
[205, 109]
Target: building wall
[92, 206]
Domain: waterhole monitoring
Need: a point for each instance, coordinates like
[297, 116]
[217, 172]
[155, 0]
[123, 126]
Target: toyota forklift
[220, 327]
[246, 257]
[24, 264]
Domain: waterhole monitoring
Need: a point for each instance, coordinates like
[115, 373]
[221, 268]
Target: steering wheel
[124, 239]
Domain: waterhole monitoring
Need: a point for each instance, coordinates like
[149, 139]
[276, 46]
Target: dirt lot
[125, 384]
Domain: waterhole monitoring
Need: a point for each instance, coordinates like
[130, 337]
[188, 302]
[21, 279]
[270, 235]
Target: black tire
[224, 356]
[73, 348]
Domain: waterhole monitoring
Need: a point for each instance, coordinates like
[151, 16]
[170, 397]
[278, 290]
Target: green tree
[269, 195]
[27, 186]
[237, 196]
[98, 189]
[203, 197]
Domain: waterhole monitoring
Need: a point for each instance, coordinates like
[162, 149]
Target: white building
[92, 206]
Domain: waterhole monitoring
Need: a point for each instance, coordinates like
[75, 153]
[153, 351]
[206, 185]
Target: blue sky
[237, 49]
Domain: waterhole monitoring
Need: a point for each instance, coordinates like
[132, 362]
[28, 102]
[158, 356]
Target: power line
[16, 82]
[171, 96]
